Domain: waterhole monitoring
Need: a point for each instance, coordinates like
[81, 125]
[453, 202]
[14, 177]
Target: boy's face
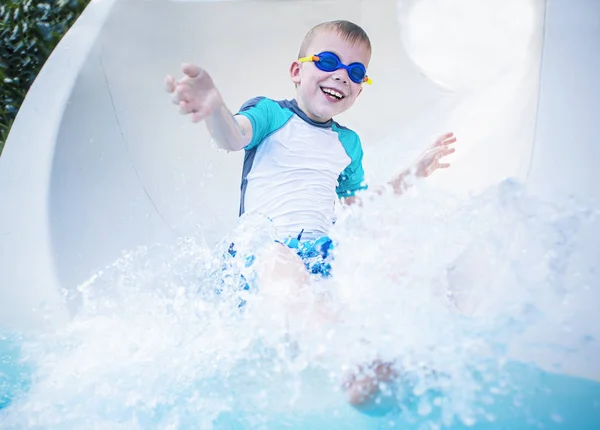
[312, 83]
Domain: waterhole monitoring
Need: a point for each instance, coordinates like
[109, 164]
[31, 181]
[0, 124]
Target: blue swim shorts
[316, 255]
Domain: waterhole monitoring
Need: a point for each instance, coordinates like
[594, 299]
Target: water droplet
[424, 408]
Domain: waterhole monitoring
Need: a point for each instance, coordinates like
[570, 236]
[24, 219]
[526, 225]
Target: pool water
[458, 302]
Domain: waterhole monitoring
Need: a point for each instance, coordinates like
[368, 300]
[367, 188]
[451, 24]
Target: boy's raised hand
[195, 93]
[427, 163]
[430, 160]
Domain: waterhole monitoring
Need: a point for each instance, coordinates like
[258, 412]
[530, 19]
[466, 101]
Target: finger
[445, 139]
[443, 165]
[185, 108]
[170, 84]
[182, 92]
[449, 140]
[175, 99]
[191, 70]
[178, 96]
[445, 142]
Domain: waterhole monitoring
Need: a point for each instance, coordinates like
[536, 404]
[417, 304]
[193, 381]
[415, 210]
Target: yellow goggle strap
[308, 59]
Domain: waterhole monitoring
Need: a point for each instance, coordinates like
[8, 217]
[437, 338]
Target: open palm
[430, 160]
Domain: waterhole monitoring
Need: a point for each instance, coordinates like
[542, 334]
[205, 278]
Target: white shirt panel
[293, 179]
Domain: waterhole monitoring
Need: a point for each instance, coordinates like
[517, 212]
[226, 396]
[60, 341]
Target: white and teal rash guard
[296, 168]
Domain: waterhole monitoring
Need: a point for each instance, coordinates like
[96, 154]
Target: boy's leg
[285, 283]
[280, 271]
[283, 279]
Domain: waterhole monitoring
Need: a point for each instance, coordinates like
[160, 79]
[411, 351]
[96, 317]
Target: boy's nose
[341, 75]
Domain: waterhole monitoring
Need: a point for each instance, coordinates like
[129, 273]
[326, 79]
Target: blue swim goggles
[329, 62]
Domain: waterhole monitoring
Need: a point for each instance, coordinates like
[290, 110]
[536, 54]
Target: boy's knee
[280, 264]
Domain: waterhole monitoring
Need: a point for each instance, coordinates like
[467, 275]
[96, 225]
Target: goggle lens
[328, 63]
[356, 73]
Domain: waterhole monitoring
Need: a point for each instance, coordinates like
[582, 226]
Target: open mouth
[332, 94]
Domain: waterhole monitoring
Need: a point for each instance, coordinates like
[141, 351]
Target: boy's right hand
[195, 93]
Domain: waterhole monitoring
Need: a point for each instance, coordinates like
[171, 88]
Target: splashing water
[444, 288]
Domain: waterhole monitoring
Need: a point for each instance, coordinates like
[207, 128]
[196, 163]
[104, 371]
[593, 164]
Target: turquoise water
[14, 376]
[470, 302]
[529, 398]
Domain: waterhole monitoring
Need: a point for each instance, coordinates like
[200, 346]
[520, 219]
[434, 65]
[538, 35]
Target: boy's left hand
[429, 161]
[426, 164]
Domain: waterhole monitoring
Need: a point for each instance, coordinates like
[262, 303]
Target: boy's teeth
[333, 92]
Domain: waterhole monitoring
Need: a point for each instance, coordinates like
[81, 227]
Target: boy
[296, 143]
[298, 160]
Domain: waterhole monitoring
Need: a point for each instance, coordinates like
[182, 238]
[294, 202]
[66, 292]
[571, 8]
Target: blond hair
[348, 30]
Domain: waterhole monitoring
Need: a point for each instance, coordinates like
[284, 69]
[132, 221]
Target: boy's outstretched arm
[197, 95]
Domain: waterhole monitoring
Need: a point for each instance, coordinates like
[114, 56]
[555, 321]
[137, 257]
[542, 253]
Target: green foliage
[29, 31]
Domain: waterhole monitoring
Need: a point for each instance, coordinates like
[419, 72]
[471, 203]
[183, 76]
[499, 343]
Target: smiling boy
[298, 160]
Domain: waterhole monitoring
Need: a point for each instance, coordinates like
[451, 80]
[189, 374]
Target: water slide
[99, 162]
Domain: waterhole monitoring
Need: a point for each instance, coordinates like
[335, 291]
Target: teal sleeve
[266, 117]
[352, 179]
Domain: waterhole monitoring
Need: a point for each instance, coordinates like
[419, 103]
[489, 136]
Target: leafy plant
[29, 31]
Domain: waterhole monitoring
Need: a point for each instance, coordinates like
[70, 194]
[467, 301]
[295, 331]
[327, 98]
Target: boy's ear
[295, 72]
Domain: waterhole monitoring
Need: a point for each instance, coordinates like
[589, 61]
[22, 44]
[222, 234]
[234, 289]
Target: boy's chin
[328, 112]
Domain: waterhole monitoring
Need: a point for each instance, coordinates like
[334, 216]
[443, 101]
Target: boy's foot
[370, 390]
